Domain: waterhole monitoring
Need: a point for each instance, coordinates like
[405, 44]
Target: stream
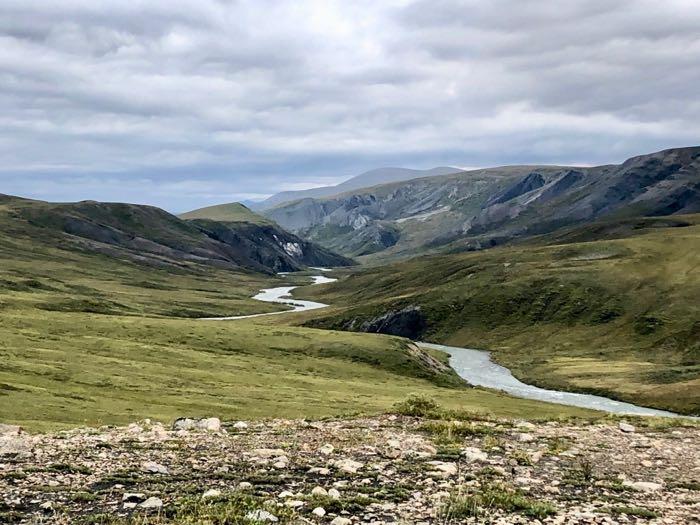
[475, 366]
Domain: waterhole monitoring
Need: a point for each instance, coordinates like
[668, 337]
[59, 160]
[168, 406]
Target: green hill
[232, 212]
[619, 315]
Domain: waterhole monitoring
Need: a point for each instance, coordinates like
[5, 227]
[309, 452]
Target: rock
[319, 491]
[10, 430]
[285, 494]
[348, 465]
[643, 486]
[152, 503]
[267, 453]
[626, 427]
[474, 454]
[184, 423]
[211, 493]
[326, 449]
[442, 469]
[244, 485]
[524, 437]
[526, 425]
[133, 497]
[319, 511]
[341, 521]
[262, 516]
[47, 505]
[240, 425]
[154, 468]
[294, 503]
[210, 424]
[334, 493]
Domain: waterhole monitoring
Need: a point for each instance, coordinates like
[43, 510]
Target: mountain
[364, 180]
[232, 212]
[609, 307]
[151, 236]
[483, 208]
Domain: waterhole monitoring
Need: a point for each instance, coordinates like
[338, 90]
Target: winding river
[475, 366]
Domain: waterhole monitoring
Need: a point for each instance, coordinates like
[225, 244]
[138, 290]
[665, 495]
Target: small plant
[496, 496]
[637, 512]
[417, 405]
[522, 458]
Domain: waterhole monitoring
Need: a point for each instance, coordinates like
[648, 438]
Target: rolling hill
[232, 212]
[484, 208]
[149, 235]
[611, 307]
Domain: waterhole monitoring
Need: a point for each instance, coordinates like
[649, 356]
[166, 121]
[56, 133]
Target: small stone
[524, 437]
[154, 468]
[10, 430]
[341, 521]
[184, 423]
[643, 486]
[47, 505]
[443, 469]
[334, 493]
[133, 497]
[348, 465]
[244, 485]
[211, 493]
[319, 491]
[326, 449]
[261, 515]
[626, 427]
[285, 494]
[240, 425]
[267, 453]
[152, 503]
[474, 454]
[319, 511]
[294, 503]
[130, 505]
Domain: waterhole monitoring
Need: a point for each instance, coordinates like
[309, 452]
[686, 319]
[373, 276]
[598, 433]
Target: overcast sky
[187, 103]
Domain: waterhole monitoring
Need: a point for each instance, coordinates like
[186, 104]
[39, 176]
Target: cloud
[182, 103]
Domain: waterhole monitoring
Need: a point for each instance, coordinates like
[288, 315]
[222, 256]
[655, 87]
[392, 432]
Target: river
[475, 366]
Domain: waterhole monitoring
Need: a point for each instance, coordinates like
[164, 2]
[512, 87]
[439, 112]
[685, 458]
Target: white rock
[341, 521]
[211, 493]
[244, 485]
[267, 453]
[130, 505]
[10, 430]
[210, 424]
[319, 491]
[285, 494]
[319, 511]
[240, 425]
[152, 503]
[348, 465]
[326, 449]
[47, 505]
[334, 493]
[524, 437]
[442, 469]
[474, 454]
[261, 515]
[626, 427]
[294, 503]
[184, 423]
[644, 486]
[154, 468]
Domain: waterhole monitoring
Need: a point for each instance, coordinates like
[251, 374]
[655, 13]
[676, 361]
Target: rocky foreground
[368, 470]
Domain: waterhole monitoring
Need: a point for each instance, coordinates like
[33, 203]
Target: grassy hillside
[87, 338]
[231, 212]
[618, 316]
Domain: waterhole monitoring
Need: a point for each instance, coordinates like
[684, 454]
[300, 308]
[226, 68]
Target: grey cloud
[140, 100]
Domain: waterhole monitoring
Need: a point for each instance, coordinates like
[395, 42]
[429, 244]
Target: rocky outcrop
[407, 322]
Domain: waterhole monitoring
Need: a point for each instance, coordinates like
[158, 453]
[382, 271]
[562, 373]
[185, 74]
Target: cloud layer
[185, 103]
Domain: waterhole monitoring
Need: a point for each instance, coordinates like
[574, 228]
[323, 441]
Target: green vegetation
[617, 317]
[232, 212]
[490, 497]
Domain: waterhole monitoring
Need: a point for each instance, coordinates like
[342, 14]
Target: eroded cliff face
[477, 209]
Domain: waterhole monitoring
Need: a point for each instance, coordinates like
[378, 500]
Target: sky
[186, 103]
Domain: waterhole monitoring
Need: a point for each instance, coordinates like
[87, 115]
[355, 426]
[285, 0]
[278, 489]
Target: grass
[490, 497]
[232, 212]
[617, 317]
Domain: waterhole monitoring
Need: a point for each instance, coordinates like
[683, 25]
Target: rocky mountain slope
[386, 469]
[364, 180]
[149, 235]
[483, 208]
